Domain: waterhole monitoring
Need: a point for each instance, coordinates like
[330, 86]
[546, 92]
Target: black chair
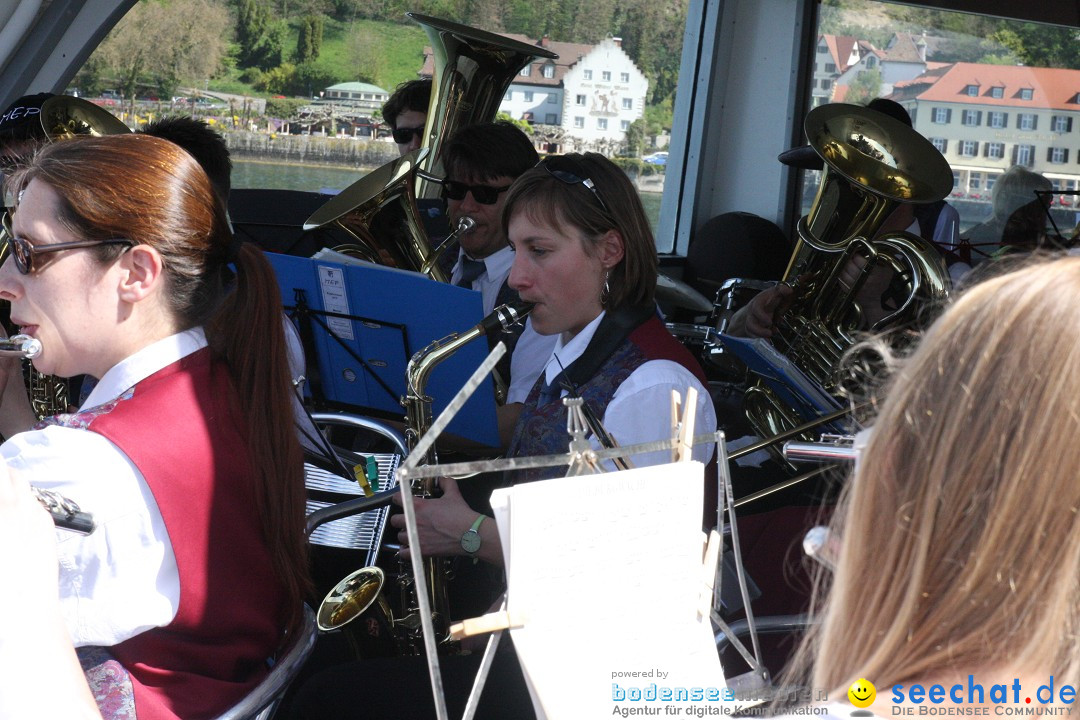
[262, 702]
[735, 245]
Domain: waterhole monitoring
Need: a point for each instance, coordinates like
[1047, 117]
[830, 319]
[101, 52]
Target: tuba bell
[473, 68]
[873, 163]
[379, 213]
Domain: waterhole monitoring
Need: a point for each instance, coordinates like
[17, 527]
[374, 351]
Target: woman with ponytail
[123, 266]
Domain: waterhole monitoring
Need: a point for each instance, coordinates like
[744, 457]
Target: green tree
[304, 45]
[309, 39]
[161, 45]
[277, 80]
[283, 107]
[252, 22]
[635, 138]
[317, 26]
[523, 125]
[1042, 45]
[309, 78]
[593, 20]
[865, 87]
[269, 50]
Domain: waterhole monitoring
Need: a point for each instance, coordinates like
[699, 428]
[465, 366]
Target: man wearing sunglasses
[481, 163]
[406, 113]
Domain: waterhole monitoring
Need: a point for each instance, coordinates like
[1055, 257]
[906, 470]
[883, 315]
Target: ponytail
[247, 332]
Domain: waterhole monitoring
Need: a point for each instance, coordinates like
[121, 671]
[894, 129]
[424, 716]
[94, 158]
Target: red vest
[182, 428]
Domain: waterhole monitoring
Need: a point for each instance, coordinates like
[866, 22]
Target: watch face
[470, 541]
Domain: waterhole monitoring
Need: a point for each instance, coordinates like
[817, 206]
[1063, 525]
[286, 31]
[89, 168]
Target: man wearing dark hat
[23, 124]
[21, 129]
[937, 223]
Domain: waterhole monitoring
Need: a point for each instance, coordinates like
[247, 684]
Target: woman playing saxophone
[584, 254]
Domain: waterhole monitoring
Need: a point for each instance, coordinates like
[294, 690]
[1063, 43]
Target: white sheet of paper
[606, 572]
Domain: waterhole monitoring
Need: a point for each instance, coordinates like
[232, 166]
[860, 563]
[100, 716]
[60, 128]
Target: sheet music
[335, 299]
[606, 572]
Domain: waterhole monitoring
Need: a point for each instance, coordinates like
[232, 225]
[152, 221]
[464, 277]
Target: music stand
[361, 323]
[580, 458]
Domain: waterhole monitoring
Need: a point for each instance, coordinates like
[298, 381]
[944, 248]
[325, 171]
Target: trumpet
[20, 346]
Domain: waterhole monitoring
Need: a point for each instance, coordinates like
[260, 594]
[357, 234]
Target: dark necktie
[550, 393]
[470, 270]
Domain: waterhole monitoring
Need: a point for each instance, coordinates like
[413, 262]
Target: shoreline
[653, 184]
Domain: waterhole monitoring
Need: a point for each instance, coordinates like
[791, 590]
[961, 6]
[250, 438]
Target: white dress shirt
[531, 355]
[121, 579]
[639, 410]
[496, 269]
[532, 350]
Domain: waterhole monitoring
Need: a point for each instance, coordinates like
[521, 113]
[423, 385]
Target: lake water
[316, 178]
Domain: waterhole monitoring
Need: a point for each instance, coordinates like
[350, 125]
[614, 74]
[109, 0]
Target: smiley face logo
[862, 692]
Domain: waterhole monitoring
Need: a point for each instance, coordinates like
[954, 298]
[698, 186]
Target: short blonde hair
[960, 528]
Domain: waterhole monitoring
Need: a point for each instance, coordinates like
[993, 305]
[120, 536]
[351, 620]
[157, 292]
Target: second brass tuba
[873, 163]
[473, 68]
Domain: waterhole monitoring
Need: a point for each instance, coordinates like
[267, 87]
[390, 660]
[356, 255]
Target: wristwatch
[470, 539]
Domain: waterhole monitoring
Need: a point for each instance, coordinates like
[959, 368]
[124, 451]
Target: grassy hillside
[381, 53]
[385, 54]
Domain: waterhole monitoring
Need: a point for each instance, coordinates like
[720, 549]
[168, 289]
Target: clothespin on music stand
[682, 426]
[710, 567]
[583, 460]
[487, 623]
[493, 623]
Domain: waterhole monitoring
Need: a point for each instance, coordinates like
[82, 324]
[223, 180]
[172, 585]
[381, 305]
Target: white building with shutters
[986, 118]
[584, 100]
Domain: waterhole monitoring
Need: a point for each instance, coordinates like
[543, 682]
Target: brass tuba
[872, 163]
[473, 68]
[379, 213]
[61, 117]
[360, 593]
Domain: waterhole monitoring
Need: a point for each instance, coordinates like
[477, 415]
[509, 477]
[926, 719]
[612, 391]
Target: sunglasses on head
[483, 194]
[23, 252]
[403, 136]
[571, 172]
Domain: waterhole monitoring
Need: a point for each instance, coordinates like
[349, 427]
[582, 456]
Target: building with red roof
[986, 118]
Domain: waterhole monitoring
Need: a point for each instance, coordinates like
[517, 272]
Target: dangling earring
[605, 292]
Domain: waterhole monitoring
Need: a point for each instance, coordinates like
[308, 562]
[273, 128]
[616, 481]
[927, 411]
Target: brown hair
[412, 95]
[960, 530]
[544, 198]
[150, 191]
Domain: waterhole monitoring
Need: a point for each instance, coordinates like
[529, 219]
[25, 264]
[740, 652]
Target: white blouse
[121, 579]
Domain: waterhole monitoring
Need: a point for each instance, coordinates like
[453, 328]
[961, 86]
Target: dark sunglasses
[403, 136]
[23, 251]
[483, 194]
[572, 173]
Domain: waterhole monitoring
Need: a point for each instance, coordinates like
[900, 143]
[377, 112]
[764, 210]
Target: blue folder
[368, 320]
[789, 383]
